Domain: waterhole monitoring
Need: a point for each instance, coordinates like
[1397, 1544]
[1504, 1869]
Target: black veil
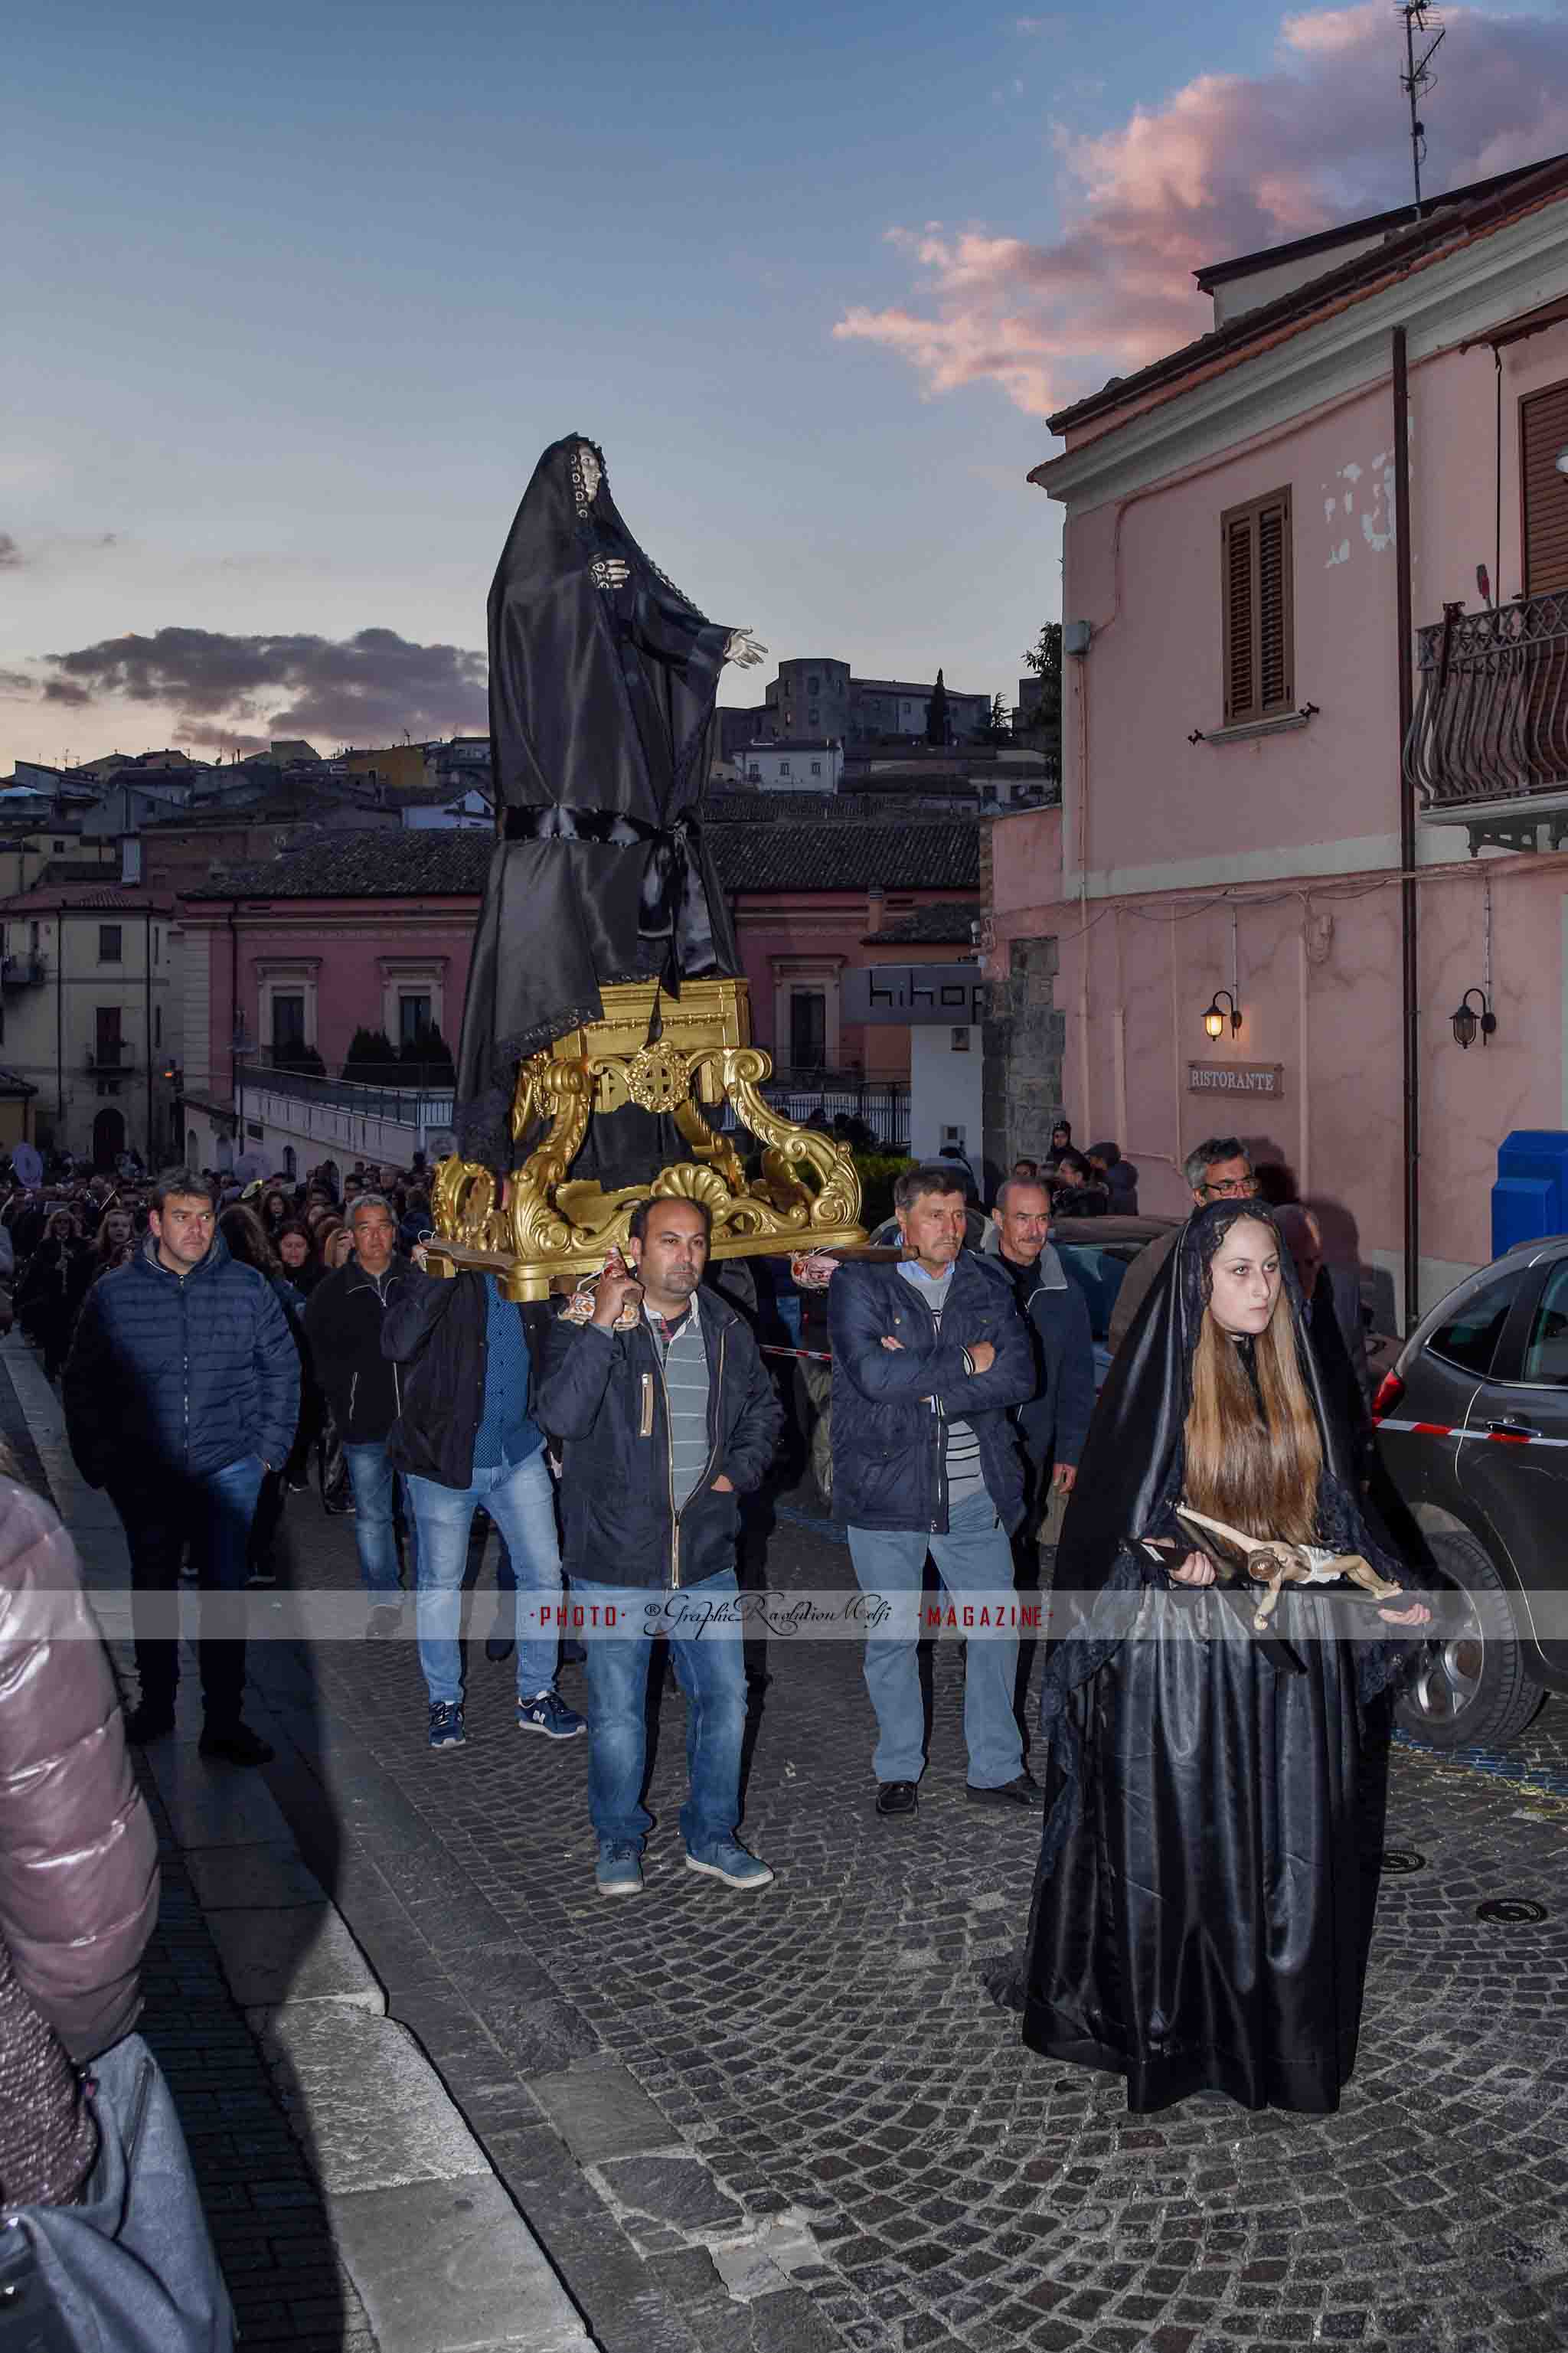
[1130, 1475]
[602, 701]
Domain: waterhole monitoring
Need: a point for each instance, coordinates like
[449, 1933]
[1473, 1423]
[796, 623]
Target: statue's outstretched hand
[743, 648]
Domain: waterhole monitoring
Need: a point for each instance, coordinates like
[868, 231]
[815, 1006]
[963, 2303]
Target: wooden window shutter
[1259, 609]
[1240, 643]
[1543, 432]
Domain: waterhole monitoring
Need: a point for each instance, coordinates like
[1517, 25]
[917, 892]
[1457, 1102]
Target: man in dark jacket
[928, 1356]
[1119, 1177]
[181, 1393]
[343, 1325]
[1054, 1422]
[467, 1434]
[665, 1425]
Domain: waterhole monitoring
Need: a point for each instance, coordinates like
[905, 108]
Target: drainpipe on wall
[1410, 1009]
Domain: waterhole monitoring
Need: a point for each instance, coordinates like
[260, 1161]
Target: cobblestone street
[794, 2119]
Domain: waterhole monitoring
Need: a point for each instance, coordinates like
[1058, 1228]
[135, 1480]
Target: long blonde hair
[1256, 1471]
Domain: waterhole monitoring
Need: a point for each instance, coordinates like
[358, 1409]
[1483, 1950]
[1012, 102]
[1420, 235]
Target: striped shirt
[961, 1447]
[683, 1361]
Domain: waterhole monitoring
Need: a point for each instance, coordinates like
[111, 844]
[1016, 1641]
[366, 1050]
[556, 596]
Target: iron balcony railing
[1491, 722]
[21, 971]
[112, 1054]
[415, 1106]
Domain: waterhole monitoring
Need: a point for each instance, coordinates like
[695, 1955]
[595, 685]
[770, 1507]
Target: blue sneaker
[447, 1724]
[618, 1870]
[727, 1860]
[547, 1713]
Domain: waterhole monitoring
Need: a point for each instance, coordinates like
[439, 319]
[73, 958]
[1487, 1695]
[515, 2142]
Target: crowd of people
[198, 1402]
[211, 1338]
[1094, 1184]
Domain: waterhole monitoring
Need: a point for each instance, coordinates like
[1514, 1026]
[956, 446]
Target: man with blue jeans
[343, 1326]
[928, 1355]
[663, 1425]
[467, 1435]
[181, 1392]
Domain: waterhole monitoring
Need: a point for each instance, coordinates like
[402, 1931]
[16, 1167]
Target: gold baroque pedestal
[807, 1197]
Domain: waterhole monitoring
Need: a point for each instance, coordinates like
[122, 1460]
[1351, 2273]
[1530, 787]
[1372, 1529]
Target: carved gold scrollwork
[713, 1150]
[550, 1224]
[836, 1200]
[563, 1093]
[463, 1203]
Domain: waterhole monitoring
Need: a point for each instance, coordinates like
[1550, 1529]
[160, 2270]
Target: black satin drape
[1203, 1909]
[602, 703]
[1207, 1923]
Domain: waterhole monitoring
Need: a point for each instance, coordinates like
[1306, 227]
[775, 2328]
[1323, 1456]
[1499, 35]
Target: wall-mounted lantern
[1216, 1017]
[1466, 1020]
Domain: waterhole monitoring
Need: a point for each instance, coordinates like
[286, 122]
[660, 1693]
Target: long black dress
[602, 701]
[1214, 1802]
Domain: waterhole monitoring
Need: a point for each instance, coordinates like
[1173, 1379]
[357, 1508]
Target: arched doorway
[108, 1137]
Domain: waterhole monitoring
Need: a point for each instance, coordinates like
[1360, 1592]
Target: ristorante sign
[1264, 1079]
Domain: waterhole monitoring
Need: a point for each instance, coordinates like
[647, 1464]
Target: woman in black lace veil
[603, 682]
[1202, 1910]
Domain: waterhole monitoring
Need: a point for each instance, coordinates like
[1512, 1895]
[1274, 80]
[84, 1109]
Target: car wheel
[1468, 1689]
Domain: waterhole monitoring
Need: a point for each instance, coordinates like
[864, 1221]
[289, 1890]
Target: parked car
[1472, 1430]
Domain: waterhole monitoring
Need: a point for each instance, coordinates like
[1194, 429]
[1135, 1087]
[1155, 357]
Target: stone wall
[1025, 1037]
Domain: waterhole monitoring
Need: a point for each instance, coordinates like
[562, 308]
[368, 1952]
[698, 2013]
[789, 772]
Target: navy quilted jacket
[179, 1375]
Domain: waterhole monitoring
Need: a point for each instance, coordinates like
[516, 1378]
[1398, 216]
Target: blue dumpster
[1531, 1195]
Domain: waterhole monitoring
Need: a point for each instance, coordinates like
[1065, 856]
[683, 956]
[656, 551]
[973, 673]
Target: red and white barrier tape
[1449, 1429]
[811, 1356]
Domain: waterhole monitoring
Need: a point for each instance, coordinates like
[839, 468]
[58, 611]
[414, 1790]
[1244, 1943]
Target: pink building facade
[1234, 754]
[793, 946]
[375, 933]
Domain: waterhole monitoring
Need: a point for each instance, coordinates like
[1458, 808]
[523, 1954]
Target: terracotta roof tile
[758, 808]
[937, 854]
[941, 855]
[382, 863]
[945, 922]
[75, 898]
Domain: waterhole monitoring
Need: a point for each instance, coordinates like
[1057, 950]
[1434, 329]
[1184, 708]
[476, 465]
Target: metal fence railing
[808, 1099]
[421, 1107]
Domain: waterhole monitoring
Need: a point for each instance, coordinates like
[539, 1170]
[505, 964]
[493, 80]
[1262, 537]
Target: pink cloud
[1230, 163]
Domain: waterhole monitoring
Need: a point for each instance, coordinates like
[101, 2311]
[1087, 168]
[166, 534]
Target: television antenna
[1419, 15]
